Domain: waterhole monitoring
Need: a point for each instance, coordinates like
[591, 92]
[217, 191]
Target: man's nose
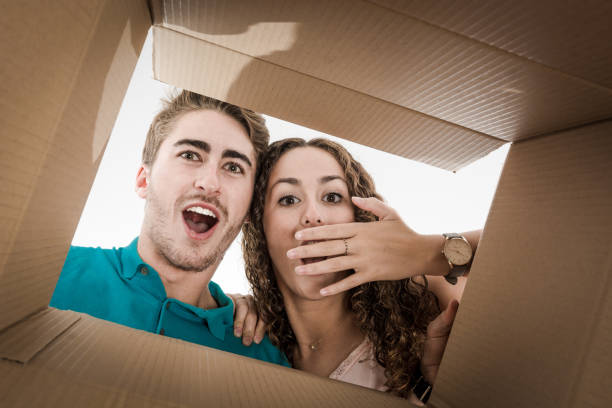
[312, 217]
[207, 179]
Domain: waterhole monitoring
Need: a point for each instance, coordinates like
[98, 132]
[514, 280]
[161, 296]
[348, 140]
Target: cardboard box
[441, 83]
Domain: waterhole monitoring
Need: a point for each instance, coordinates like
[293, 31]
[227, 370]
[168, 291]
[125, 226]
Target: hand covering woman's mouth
[307, 261]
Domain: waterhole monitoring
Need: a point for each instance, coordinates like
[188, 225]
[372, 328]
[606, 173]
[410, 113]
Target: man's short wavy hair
[186, 101]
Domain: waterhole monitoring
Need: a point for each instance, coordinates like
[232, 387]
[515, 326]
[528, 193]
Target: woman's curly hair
[392, 314]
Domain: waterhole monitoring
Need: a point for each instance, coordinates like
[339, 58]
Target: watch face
[458, 251]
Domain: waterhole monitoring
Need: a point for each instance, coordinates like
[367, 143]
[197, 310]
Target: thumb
[450, 312]
[376, 207]
[441, 325]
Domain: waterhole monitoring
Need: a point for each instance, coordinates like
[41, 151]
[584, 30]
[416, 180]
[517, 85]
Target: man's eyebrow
[236, 155]
[202, 145]
[290, 180]
[199, 144]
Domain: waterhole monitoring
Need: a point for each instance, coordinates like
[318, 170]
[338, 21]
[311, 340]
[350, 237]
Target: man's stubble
[189, 259]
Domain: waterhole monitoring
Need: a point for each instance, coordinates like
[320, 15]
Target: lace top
[361, 368]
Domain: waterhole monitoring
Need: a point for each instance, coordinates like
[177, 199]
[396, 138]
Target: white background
[430, 200]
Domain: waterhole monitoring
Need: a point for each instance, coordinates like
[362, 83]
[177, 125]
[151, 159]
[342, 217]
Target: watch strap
[419, 386]
[455, 272]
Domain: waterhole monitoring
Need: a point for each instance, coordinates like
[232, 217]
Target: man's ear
[142, 181]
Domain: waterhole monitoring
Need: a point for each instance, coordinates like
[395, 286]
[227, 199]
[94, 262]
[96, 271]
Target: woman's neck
[325, 330]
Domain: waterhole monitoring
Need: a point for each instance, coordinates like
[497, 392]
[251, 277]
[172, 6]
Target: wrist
[436, 264]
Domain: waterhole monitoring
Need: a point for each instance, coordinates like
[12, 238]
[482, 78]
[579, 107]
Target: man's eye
[191, 156]
[234, 168]
[332, 198]
[288, 200]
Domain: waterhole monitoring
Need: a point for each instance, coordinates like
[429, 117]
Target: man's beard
[190, 258]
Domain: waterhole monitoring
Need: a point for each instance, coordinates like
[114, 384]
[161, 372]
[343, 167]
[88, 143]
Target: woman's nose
[311, 217]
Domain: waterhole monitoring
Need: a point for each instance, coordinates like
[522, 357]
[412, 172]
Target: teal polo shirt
[116, 285]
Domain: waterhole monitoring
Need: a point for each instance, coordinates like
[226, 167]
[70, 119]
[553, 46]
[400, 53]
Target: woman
[372, 335]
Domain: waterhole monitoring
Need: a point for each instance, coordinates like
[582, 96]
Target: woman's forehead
[306, 162]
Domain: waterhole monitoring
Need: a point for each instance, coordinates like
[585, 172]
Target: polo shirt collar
[217, 319]
[220, 318]
[131, 262]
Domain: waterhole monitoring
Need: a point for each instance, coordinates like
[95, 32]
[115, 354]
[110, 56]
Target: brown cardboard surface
[65, 71]
[29, 336]
[535, 321]
[572, 37]
[98, 363]
[220, 72]
[389, 56]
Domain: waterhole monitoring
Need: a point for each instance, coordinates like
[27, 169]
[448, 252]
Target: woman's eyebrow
[290, 180]
[293, 181]
[327, 179]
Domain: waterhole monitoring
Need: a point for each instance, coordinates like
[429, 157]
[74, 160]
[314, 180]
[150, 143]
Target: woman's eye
[191, 156]
[288, 200]
[332, 198]
[234, 168]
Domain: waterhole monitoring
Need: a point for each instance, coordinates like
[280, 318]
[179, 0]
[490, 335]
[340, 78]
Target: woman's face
[306, 189]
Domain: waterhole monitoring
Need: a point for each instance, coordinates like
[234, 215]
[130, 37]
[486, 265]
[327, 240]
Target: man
[197, 174]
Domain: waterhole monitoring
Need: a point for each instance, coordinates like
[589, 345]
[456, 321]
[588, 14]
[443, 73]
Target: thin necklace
[314, 346]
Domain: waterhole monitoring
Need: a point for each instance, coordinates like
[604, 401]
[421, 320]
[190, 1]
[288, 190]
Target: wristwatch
[458, 252]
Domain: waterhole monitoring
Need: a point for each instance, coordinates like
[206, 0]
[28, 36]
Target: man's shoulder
[273, 352]
[264, 351]
[89, 266]
[86, 274]
[89, 258]
[80, 251]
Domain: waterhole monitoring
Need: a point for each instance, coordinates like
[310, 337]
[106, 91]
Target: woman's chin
[310, 287]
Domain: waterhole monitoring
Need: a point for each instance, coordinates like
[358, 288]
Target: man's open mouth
[199, 219]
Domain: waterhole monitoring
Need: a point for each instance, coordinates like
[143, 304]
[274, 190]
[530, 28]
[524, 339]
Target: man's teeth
[203, 211]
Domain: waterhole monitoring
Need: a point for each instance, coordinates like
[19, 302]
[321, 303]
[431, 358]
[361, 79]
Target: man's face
[198, 190]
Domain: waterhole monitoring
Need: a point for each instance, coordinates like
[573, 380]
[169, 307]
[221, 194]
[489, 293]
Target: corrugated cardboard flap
[231, 76]
[535, 321]
[65, 70]
[107, 364]
[370, 74]
[544, 31]
[25, 339]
